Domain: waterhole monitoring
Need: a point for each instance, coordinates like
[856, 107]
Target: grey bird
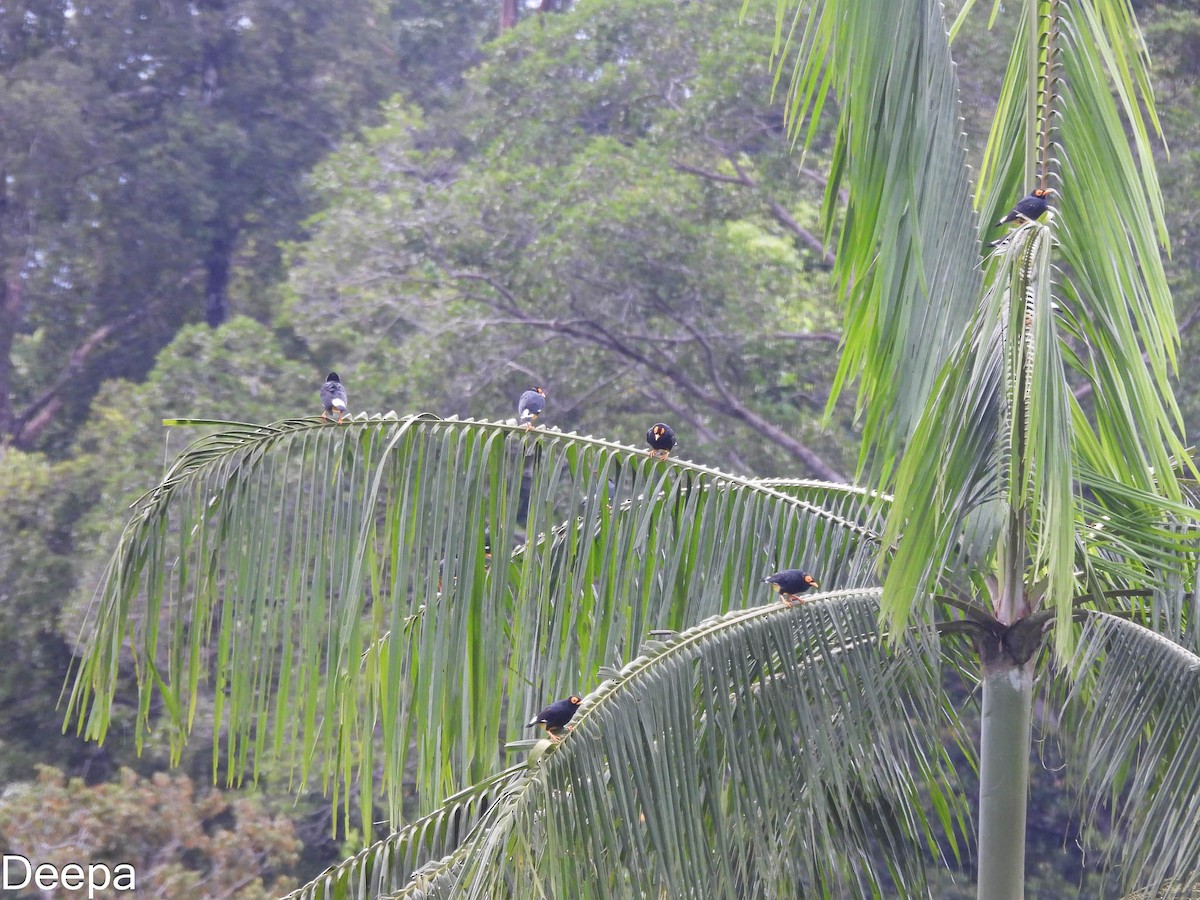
[530, 406]
[333, 397]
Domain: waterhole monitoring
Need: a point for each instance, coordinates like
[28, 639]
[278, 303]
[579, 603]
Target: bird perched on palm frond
[333, 397]
[530, 406]
[661, 438]
[1030, 207]
[790, 584]
[555, 716]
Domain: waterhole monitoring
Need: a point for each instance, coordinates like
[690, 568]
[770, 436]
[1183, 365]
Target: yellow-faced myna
[555, 716]
[791, 583]
[1029, 207]
[333, 397]
[530, 406]
[661, 438]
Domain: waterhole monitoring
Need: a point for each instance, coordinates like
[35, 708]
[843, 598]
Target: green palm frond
[949, 483]
[1076, 86]
[1008, 169]
[764, 751]
[1132, 743]
[907, 248]
[1040, 473]
[419, 847]
[1130, 537]
[1111, 228]
[327, 587]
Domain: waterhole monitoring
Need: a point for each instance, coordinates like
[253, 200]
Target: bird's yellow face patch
[576, 700]
[808, 579]
[1040, 192]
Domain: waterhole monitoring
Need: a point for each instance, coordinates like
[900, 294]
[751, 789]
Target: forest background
[206, 206]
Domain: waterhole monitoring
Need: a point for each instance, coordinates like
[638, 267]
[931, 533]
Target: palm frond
[1111, 228]
[1041, 476]
[1132, 741]
[403, 856]
[761, 751]
[327, 588]
[1128, 537]
[950, 481]
[907, 247]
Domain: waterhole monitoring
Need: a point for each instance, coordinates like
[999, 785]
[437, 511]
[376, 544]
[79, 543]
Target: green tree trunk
[1004, 778]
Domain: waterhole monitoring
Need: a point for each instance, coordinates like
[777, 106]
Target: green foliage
[122, 448]
[36, 574]
[146, 147]
[594, 213]
[179, 843]
[1137, 745]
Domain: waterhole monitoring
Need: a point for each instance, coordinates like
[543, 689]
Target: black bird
[530, 406]
[333, 397]
[1031, 207]
[555, 716]
[791, 583]
[661, 438]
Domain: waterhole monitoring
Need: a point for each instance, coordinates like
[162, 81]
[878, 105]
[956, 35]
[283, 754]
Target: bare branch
[659, 362]
[778, 210]
[828, 337]
[807, 237]
[34, 418]
[739, 179]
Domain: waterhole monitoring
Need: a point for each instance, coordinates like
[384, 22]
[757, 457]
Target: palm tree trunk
[1004, 778]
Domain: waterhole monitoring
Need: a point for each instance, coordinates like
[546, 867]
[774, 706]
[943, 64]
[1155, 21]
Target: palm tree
[327, 591]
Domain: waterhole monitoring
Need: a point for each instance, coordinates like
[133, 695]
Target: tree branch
[777, 209]
[38, 414]
[591, 331]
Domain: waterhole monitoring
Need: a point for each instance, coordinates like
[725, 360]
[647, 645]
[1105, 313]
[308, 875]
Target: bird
[790, 583]
[661, 438]
[333, 397]
[555, 716]
[530, 406]
[1029, 207]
